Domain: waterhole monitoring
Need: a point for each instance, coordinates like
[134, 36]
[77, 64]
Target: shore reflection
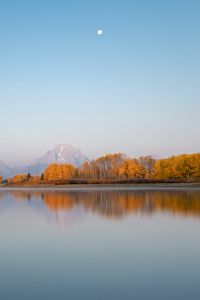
[114, 204]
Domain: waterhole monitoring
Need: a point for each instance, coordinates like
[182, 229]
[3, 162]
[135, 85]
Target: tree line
[118, 166]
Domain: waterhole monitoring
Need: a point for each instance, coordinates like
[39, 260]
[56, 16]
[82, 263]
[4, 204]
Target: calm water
[100, 245]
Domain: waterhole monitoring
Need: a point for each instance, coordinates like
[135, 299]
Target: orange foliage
[20, 178]
[56, 172]
[130, 168]
[186, 166]
[35, 179]
[119, 167]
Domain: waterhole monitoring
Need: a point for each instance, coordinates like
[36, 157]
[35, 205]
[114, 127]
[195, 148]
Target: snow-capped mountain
[60, 154]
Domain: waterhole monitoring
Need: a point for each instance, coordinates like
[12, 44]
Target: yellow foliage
[35, 179]
[20, 178]
[130, 168]
[186, 166]
[118, 166]
[56, 172]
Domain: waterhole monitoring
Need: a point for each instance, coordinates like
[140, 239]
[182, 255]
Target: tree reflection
[116, 204]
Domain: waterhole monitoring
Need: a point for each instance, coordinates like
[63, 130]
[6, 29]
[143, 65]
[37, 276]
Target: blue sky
[135, 89]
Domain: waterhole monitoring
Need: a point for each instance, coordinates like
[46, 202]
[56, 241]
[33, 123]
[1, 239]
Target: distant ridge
[62, 153]
[5, 171]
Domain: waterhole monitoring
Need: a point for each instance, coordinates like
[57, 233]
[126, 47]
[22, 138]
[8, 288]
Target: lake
[100, 244]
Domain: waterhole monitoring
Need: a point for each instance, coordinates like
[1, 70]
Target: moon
[99, 31]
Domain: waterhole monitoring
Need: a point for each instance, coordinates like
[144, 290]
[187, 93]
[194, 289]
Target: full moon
[99, 31]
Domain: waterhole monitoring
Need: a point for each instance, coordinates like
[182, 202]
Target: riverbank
[77, 187]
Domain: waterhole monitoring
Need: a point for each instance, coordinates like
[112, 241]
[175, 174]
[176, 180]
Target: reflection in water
[143, 258]
[114, 204]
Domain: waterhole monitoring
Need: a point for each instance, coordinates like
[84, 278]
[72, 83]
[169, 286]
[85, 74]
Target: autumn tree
[20, 178]
[104, 167]
[131, 168]
[59, 171]
[148, 163]
[85, 171]
[108, 165]
[117, 165]
[185, 166]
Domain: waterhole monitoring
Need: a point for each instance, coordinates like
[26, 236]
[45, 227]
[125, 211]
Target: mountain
[5, 171]
[61, 154]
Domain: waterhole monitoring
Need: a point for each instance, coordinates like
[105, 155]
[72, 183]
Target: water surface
[100, 244]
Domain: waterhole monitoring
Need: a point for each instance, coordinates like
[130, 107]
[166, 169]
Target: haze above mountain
[62, 153]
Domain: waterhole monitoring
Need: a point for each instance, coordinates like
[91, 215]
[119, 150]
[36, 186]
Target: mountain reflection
[113, 204]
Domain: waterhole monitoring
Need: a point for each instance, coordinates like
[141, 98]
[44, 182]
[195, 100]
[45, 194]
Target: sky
[134, 89]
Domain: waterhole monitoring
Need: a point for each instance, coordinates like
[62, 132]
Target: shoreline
[99, 187]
